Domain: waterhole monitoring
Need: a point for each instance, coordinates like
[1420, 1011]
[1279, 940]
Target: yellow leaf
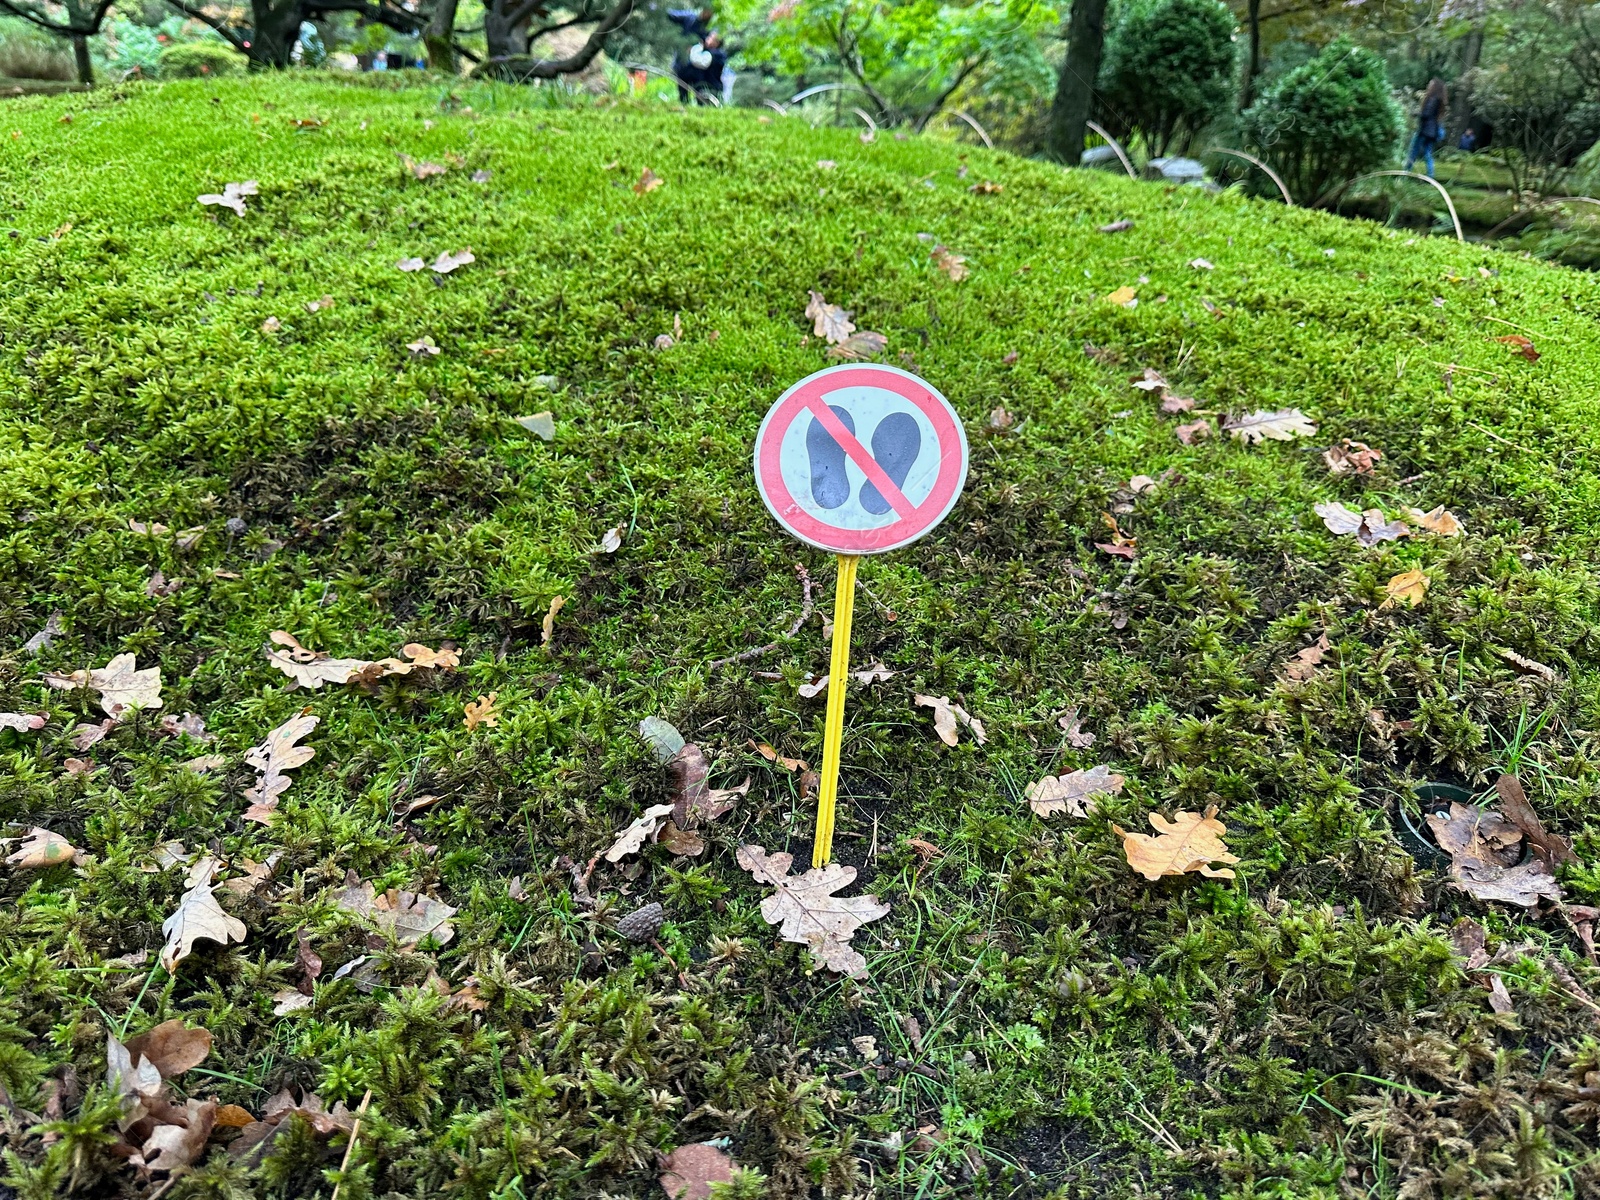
[481, 712]
[1125, 297]
[1410, 586]
[1189, 842]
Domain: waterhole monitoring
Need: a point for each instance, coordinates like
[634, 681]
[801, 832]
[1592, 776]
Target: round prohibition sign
[860, 459]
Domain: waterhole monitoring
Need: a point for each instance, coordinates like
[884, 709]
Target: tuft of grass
[1048, 1023]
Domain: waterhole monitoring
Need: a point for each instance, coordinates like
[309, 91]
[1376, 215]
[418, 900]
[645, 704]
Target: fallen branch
[806, 608]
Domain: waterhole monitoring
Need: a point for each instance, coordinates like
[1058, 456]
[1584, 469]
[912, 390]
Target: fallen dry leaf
[953, 265]
[1102, 355]
[421, 170]
[1304, 664]
[987, 188]
[22, 722]
[1284, 425]
[540, 424]
[808, 913]
[481, 712]
[423, 347]
[829, 321]
[277, 754]
[826, 164]
[171, 1047]
[122, 687]
[1123, 297]
[271, 325]
[810, 691]
[999, 418]
[410, 264]
[232, 196]
[1201, 264]
[548, 625]
[925, 850]
[1171, 402]
[947, 719]
[772, 756]
[1409, 586]
[1193, 432]
[1439, 521]
[649, 181]
[408, 916]
[446, 263]
[311, 668]
[643, 829]
[289, 1000]
[1117, 227]
[1522, 345]
[1150, 381]
[313, 306]
[1072, 793]
[1551, 848]
[257, 1138]
[1522, 885]
[862, 344]
[1189, 842]
[1471, 832]
[40, 848]
[198, 916]
[1370, 527]
[1351, 458]
[611, 539]
[178, 1141]
[1072, 729]
[1523, 663]
[874, 672]
[689, 1171]
[46, 636]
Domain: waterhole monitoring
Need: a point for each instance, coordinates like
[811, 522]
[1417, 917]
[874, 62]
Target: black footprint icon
[896, 442]
[830, 486]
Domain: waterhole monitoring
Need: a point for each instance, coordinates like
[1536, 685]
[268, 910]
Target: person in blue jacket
[1430, 125]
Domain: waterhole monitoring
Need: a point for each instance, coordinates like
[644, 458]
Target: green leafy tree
[1326, 121]
[1168, 70]
[910, 59]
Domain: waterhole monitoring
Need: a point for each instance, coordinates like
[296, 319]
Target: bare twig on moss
[806, 609]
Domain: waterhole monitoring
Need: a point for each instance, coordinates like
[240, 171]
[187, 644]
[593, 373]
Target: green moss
[1299, 1031]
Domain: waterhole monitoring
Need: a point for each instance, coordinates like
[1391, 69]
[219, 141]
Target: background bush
[1326, 121]
[1168, 70]
[189, 59]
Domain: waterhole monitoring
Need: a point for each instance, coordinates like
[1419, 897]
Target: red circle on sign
[809, 396]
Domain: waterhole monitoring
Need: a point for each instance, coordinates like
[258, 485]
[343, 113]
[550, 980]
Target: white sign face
[860, 459]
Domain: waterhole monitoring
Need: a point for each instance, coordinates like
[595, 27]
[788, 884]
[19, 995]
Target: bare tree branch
[34, 15]
[553, 68]
[216, 23]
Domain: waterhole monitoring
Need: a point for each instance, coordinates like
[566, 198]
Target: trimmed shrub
[1168, 70]
[1326, 121]
[185, 60]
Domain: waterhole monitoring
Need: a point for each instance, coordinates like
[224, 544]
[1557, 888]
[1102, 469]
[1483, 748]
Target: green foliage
[185, 60]
[1302, 1021]
[29, 53]
[1168, 70]
[1325, 122]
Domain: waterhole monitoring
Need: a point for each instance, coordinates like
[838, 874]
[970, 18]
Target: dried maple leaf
[689, 1171]
[1409, 586]
[860, 345]
[198, 916]
[1551, 848]
[1522, 345]
[953, 265]
[649, 181]
[829, 321]
[1072, 793]
[22, 722]
[948, 717]
[481, 712]
[1351, 458]
[1284, 425]
[1439, 520]
[277, 754]
[1193, 432]
[122, 687]
[1072, 729]
[644, 829]
[540, 424]
[40, 848]
[1189, 842]
[409, 916]
[1370, 527]
[1304, 664]
[1123, 297]
[808, 913]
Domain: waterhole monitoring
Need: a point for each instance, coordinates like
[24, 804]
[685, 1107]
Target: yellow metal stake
[844, 605]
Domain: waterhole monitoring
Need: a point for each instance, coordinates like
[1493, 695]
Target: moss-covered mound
[214, 427]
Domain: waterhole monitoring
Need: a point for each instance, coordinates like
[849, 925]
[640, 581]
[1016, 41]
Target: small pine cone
[643, 923]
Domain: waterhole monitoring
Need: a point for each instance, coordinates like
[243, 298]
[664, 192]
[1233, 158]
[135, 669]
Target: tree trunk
[277, 28]
[1460, 113]
[1086, 35]
[504, 39]
[439, 38]
[1247, 94]
[80, 51]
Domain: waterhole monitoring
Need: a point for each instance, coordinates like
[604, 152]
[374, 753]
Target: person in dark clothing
[695, 22]
[699, 69]
[1430, 125]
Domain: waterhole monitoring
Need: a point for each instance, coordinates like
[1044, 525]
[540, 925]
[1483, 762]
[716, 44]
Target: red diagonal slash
[858, 454]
